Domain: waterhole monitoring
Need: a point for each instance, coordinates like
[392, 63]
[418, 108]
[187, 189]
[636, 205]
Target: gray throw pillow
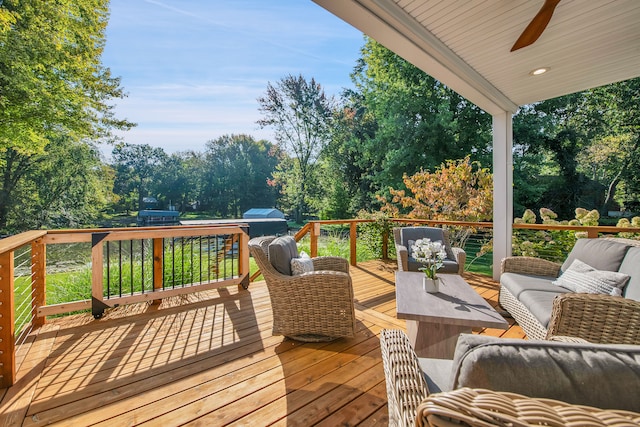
[301, 265]
[583, 278]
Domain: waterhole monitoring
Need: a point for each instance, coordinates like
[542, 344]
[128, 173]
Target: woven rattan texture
[530, 265]
[478, 407]
[406, 386]
[596, 318]
[529, 324]
[313, 306]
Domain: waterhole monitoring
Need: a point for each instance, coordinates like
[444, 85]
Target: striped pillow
[301, 265]
[583, 278]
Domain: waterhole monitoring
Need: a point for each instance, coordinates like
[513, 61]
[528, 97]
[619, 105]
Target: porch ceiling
[466, 44]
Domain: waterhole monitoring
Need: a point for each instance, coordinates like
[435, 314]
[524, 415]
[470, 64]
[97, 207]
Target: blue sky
[193, 69]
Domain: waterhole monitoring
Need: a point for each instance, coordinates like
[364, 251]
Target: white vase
[431, 285]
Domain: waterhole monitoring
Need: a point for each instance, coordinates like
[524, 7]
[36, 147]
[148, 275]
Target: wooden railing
[148, 264]
[128, 265]
[313, 229]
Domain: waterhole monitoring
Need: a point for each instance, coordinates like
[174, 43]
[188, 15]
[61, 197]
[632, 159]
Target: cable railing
[129, 264]
[548, 241]
[57, 272]
[24, 295]
[50, 273]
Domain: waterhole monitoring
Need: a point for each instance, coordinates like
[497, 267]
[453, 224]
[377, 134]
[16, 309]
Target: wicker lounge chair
[453, 264]
[314, 306]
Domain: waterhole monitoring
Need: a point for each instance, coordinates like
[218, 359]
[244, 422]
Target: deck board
[210, 359]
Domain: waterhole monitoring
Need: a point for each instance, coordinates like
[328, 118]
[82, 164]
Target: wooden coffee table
[434, 321]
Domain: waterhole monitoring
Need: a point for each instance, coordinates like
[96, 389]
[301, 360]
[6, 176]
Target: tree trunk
[611, 191]
[4, 210]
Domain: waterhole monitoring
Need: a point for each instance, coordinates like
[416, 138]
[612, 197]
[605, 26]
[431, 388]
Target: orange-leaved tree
[459, 190]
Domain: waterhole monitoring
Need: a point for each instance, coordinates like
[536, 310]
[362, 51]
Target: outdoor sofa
[548, 299]
[496, 381]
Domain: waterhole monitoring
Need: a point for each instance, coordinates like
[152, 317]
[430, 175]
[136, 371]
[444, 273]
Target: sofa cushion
[436, 373]
[601, 254]
[517, 283]
[581, 277]
[281, 251]
[540, 303]
[631, 266]
[603, 376]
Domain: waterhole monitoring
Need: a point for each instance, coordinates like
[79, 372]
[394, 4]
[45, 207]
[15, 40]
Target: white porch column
[502, 188]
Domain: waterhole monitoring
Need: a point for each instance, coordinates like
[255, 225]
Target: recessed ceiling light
[539, 71]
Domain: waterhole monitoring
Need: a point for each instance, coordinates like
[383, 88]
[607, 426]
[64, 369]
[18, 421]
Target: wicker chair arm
[308, 279]
[479, 407]
[530, 265]
[402, 254]
[564, 338]
[320, 275]
[461, 258]
[596, 318]
[333, 263]
[406, 386]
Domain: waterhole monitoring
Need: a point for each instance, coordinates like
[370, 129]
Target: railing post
[39, 283]
[243, 253]
[385, 245]
[315, 233]
[158, 270]
[97, 275]
[592, 234]
[353, 234]
[7, 321]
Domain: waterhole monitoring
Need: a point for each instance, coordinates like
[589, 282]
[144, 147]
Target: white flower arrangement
[431, 254]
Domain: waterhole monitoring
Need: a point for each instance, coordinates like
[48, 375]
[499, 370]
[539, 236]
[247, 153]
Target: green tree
[419, 122]
[554, 128]
[616, 106]
[52, 83]
[238, 170]
[137, 167]
[591, 138]
[65, 186]
[178, 180]
[345, 177]
[301, 115]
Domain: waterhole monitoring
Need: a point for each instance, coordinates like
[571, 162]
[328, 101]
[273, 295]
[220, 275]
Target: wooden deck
[210, 362]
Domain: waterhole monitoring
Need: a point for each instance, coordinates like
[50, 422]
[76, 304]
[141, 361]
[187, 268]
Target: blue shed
[263, 213]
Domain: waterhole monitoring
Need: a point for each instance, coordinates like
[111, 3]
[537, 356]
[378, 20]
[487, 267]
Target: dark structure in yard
[149, 217]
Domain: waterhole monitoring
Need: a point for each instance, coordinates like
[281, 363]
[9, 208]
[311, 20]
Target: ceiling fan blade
[537, 25]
